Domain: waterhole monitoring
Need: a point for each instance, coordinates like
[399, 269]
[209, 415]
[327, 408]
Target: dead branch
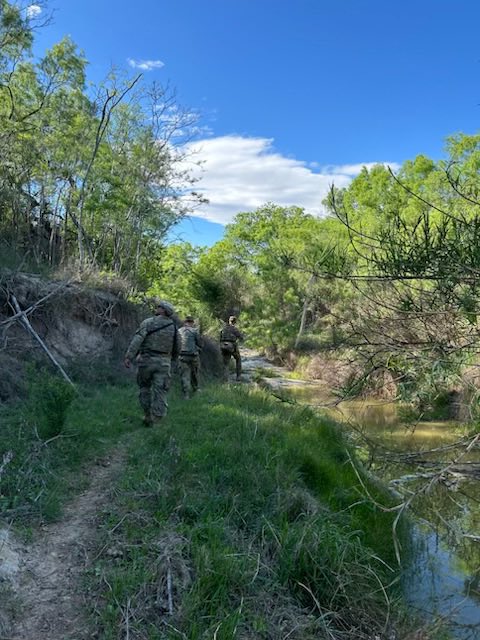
[26, 323]
[169, 589]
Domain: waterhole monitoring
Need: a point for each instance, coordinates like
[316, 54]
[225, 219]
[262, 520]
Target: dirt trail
[46, 576]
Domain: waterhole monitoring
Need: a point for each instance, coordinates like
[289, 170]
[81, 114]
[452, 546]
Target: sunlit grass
[239, 516]
[268, 518]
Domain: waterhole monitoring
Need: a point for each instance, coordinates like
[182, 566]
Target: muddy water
[443, 575]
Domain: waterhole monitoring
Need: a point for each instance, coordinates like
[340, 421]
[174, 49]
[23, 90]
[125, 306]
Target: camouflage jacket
[156, 336]
[190, 341]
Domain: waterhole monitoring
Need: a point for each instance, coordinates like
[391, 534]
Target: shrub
[49, 399]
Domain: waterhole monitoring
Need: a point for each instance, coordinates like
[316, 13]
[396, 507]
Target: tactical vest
[228, 334]
[188, 341]
[160, 337]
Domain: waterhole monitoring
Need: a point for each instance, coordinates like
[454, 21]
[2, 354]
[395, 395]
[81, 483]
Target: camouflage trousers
[226, 356]
[189, 367]
[153, 379]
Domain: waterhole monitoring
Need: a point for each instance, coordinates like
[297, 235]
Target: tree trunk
[303, 319]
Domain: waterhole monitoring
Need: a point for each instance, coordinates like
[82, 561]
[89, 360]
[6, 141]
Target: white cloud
[145, 65]
[33, 11]
[354, 169]
[242, 174]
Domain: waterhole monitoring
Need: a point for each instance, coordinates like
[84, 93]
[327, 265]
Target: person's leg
[184, 367]
[160, 385]
[194, 373]
[144, 381]
[238, 364]
[226, 355]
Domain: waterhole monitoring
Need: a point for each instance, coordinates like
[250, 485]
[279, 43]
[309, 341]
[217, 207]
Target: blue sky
[293, 94]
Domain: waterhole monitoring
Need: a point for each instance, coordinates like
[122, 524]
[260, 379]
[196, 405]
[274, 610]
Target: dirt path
[46, 576]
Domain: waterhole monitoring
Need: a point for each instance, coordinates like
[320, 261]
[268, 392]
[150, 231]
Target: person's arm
[198, 340]
[135, 344]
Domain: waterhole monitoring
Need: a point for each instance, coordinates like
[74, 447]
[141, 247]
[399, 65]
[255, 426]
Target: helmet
[166, 306]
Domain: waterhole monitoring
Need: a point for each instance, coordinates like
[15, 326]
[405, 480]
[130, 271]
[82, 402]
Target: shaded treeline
[388, 278]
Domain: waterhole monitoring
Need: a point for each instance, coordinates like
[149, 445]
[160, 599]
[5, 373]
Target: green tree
[88, 175]
[266, 268]
[417, 269]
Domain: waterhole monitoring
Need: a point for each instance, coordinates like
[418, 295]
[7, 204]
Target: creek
[423, 465]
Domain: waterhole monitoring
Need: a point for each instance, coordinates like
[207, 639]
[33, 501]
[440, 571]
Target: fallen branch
[26, 323]
[7, 458]
[169, 589]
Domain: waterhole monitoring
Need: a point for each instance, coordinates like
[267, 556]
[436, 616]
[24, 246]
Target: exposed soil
[46, 576]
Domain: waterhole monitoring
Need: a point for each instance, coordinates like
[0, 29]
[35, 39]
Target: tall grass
[243, 518]
[50, 438]
[238, 517]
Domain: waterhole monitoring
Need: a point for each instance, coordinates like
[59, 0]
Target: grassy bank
[48, 443]
[243, 518]
[239, 517]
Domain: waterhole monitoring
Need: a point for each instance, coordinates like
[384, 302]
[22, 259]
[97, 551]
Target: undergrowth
[238, 517]
[243, 518]
[46, 442]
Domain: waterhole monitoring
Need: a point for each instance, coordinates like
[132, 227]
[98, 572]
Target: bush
[49, 400]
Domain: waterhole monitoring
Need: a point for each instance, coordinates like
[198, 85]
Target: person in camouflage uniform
[229, 337]
[153, 346]
[189, 360]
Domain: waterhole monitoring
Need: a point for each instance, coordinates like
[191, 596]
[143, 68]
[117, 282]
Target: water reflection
[438, 589]
[443, 580]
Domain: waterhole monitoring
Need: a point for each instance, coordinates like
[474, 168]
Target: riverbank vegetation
[240, 517]
[383, 290]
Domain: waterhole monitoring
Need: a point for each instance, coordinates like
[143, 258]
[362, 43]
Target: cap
[166, 306]
[189, 319]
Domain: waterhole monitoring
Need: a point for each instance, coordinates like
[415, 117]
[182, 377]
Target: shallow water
[444, 577]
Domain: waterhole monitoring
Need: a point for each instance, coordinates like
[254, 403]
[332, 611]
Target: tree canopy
[87, 175]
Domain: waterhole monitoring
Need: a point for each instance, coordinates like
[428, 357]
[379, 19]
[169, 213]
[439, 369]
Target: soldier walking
[189, 361]
[229, 337]
[153, 346]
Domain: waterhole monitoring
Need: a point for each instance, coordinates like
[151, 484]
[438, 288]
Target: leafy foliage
[93, 175]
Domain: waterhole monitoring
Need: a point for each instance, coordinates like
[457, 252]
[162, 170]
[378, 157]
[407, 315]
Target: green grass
[238, 517]
[254, 513]
[263, 372]
[51, 439]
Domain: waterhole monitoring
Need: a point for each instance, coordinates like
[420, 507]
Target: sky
[292, 95]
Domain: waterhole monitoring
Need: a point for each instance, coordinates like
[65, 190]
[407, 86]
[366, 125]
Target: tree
[90, 176]
[418, 269]
[263, 268]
